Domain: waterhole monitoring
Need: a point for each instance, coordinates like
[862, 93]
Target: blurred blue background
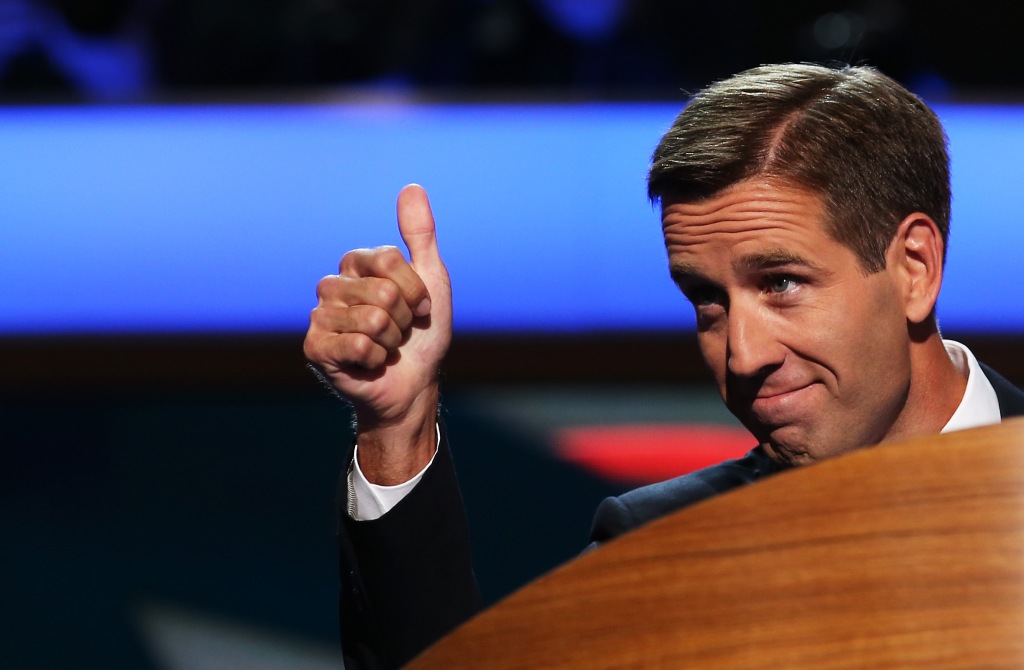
[176, 175]
[213, 218]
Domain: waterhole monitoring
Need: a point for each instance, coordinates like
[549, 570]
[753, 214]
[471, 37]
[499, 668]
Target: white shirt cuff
[367, 501]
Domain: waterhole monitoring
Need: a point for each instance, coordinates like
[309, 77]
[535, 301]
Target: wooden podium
[903, 555]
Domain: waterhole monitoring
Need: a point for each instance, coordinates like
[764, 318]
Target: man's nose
[753, 348]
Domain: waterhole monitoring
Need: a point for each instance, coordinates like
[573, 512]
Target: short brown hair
[871, 149]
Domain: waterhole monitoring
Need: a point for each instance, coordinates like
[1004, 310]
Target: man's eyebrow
[759, 261]
[773, 258]
[684, 272]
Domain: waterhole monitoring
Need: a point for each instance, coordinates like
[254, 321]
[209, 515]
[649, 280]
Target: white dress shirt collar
[979, 406]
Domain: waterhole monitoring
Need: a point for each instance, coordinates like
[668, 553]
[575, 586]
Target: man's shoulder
[1011, 398]
[630, 510]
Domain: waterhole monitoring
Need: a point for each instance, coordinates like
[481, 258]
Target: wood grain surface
[904, 555]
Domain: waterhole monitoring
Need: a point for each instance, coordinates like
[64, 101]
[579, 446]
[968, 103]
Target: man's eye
[705, 297]
[781, 284]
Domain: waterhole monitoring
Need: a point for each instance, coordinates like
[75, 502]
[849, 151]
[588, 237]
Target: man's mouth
[778, 407]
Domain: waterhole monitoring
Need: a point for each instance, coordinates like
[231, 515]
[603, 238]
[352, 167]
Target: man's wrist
[395, 451]
[367, 501]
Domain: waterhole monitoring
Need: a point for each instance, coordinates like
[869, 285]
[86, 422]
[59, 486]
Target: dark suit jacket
[407, 579]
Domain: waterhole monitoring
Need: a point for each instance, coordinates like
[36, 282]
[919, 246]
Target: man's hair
[873, 151]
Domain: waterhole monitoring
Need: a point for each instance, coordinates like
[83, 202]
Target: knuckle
[351, 260]
[309, 348]
[362, 347]
[347, 261]
[389, 258]
[324, 286]
[375, 321]
[319, 320]
[388, 294]
[317, 351]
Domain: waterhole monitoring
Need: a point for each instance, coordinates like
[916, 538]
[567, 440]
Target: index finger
[389, 263]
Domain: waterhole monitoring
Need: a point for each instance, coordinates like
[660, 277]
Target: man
[806, 214]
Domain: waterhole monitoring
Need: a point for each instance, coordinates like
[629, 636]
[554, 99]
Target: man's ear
[916, 255]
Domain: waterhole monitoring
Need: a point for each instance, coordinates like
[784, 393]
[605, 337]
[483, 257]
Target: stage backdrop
[222, 217]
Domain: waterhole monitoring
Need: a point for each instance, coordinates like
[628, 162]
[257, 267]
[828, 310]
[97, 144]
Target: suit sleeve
[407, 577]
[619, 515]
[612, 518]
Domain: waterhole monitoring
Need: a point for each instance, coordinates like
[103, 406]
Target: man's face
[808, 352]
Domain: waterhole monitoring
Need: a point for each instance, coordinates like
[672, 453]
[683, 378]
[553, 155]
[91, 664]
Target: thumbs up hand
[379, 333]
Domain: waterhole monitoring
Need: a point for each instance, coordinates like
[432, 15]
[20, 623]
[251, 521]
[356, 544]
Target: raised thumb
[416, 224]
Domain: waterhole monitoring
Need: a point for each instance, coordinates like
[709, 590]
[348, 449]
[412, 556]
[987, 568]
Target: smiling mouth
[781, 407]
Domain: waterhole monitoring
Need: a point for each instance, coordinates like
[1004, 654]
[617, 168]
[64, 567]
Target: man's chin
[792, 443]
[788, 445]
[795, 445]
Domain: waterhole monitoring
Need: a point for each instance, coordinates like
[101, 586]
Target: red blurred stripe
[650, 453]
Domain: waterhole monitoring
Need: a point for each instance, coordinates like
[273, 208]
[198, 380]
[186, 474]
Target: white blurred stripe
[188, 640]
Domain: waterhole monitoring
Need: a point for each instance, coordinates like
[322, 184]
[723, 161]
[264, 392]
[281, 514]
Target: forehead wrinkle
[765, 194]
[743, 202]
[680, 232]
[741, 207]
[768, 214]
[679, 224]
[744, 214]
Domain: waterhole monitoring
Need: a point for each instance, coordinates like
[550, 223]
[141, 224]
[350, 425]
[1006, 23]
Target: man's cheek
[713, 351]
